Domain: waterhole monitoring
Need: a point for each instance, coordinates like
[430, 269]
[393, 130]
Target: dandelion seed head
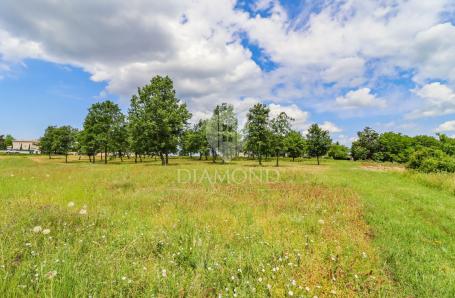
[37, 229]
[163, 273]
[83, 211]
[291, 293]
[46, 231]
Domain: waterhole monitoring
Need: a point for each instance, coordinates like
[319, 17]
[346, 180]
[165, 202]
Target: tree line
[157, 125]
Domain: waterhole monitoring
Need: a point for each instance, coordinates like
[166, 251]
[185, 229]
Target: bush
[429, 160]
[339, 152]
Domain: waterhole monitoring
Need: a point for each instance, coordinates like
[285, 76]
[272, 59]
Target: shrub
[430, 160]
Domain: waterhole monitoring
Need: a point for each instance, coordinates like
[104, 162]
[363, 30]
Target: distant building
[30, 146]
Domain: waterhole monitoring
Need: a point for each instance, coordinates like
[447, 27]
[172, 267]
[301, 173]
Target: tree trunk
[66, 158]
[105, 155]
[200, 156]
[317, 157]
[50, 155]
[167, 158]
[293, 158]
[121, 157]
[162, 159]
[260, 159]
[135, 157]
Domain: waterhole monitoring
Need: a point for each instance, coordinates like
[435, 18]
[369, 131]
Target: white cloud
[438, 100]
[447, 126]
[331, 127]
[346, 43]
[361, 98]
[300, 117]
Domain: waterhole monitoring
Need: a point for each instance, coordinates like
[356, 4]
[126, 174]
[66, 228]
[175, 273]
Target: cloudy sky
[389, 64]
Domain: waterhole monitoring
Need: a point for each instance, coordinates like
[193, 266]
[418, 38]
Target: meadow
[341, 229]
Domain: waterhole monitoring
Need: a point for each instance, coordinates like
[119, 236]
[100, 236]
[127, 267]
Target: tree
[280, 128]
[9, 141]
[339, 152]
[393, 147]
[64, 139]
[102, 124]
[318, 141]
[2, 142]
[47, 141]
[157, 118]
[221, 132]
[366, 145]
[256, 129]
[295, 144]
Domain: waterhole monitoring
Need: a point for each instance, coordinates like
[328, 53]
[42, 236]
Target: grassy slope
[141, 221]
[412, 218]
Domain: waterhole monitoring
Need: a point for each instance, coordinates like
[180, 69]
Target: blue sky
[388, 64]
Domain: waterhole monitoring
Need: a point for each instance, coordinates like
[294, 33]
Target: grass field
[340, 229]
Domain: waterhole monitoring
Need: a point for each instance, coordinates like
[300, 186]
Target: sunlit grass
[134, 230]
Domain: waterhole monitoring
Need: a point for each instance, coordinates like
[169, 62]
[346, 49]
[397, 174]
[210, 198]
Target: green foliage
[366, 145]
[157, 118]
[64, 140]
[429, 160]
[222, 132]
[318, 141]
[339, 152]
[104, 128]
[47, 141]
[280, 127]
[257, 130]
[295, 144]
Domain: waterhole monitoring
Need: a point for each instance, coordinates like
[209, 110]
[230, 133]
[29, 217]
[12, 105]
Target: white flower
[321, 221]
[164, 273]
[37, 229]
[83, 211]
[269, 286]
[123, 277]
[307, 289]
[46, 231]
[364, 255]
[71, 204]
[290, 293]
[51, 274]
[293, 282]
[260, 279]
[232, 277]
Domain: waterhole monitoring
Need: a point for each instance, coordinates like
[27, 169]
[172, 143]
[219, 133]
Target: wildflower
[356, 276]
[307, 289]
[46, 231]
[364, 255]
[239, 270]
[333, 292]
[232, 277]
[51, 274]
[123, 277]
[71, 204]
[290, 293]
[321, 221]
[83, 211]
[269, 286]
[164, 273]
[28, 244]
[293, 282]
[260, 279]
[37, 229]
